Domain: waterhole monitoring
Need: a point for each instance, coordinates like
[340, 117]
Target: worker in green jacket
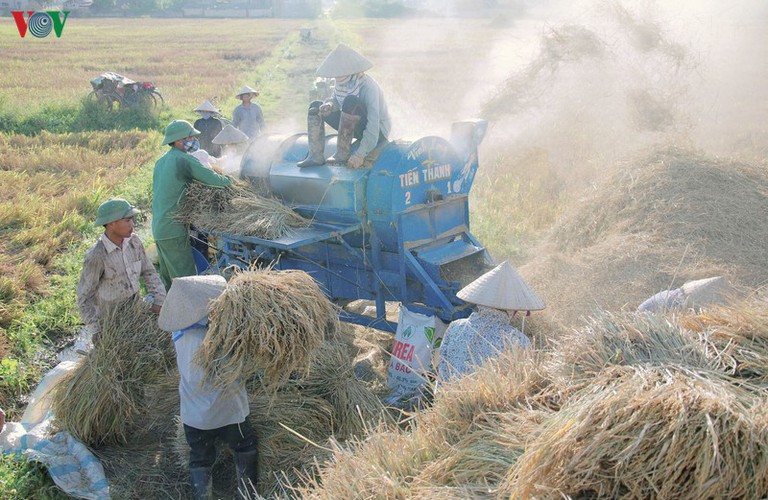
[173, 173]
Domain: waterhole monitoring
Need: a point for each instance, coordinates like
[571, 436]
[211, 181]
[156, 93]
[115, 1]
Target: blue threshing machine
[395, 231]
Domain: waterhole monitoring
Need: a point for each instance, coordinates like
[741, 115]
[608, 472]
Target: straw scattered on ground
[270, 321]
[648, 432]
[237, 209]
[628, 406]
[736, 337]
[102, 401]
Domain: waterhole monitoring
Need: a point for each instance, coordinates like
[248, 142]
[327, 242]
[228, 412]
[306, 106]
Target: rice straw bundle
[284, 422]
[237, 209]
[163, 403]
[144, 468]
[736, 336]
[102, 401]
[472, 434]
[626, 339]
[484, 455]
[649, 432]
[265, 320]
[331, 377]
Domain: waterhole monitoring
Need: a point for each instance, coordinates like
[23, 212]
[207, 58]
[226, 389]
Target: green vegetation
[64, 156]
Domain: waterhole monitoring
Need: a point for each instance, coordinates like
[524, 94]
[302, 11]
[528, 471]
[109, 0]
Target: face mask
[191, 145]
[206, 114]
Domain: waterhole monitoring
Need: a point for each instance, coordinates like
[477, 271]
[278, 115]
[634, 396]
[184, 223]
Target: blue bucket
[201, 263]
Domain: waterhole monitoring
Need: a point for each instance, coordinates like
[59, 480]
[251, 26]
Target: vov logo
[40, 24]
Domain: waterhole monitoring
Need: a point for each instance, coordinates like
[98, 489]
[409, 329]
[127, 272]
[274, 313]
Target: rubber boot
[246, 464]
[201, 483]
[347, 125]
[315, 139]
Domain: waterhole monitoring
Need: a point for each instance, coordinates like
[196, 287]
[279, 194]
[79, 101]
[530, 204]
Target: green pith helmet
[179, 129]
[114, 209]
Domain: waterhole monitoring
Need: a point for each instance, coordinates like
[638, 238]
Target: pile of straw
[331, 377]
[627, 339]
[237, 209]
[265, 320]
[670, 217]
[648, 432]
[736, 337]
[102, 401]
[629, 406]
[465, 443]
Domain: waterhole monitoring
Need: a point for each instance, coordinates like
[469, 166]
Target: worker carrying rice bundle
[266, 322]
[470, 342]
[207, 412]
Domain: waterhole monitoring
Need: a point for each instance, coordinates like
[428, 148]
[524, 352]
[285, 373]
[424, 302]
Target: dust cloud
[586, 82]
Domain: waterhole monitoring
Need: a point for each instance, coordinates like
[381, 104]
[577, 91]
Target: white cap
[189, 301]
[207, 106]
[343, 61]
[502, 288]
[230, 135]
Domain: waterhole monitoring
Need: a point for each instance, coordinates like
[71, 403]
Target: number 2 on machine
[407, 197]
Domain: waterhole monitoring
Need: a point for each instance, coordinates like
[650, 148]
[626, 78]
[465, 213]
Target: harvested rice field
[626, 155]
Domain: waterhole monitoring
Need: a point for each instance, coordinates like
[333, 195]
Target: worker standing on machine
[356, 109]
[174, 171]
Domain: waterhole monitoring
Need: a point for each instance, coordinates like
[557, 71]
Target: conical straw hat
[189, 301]
[502, 288]
[343, 61]
[230, 135]
[247, 90]
[207, 106]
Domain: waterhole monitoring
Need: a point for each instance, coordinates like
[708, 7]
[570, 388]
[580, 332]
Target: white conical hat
[230, 135]
[189, 301]
[247, 90]
[207, 106]
[343, 61]
[502, 288]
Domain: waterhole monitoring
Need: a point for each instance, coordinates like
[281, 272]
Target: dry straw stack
[671, 216]
[648, 432]
[331, 377]
[237, 209]
[459, 446]
[736, 338]
[270, 321]
[610, 339]
[629, 406]
[102, 401]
